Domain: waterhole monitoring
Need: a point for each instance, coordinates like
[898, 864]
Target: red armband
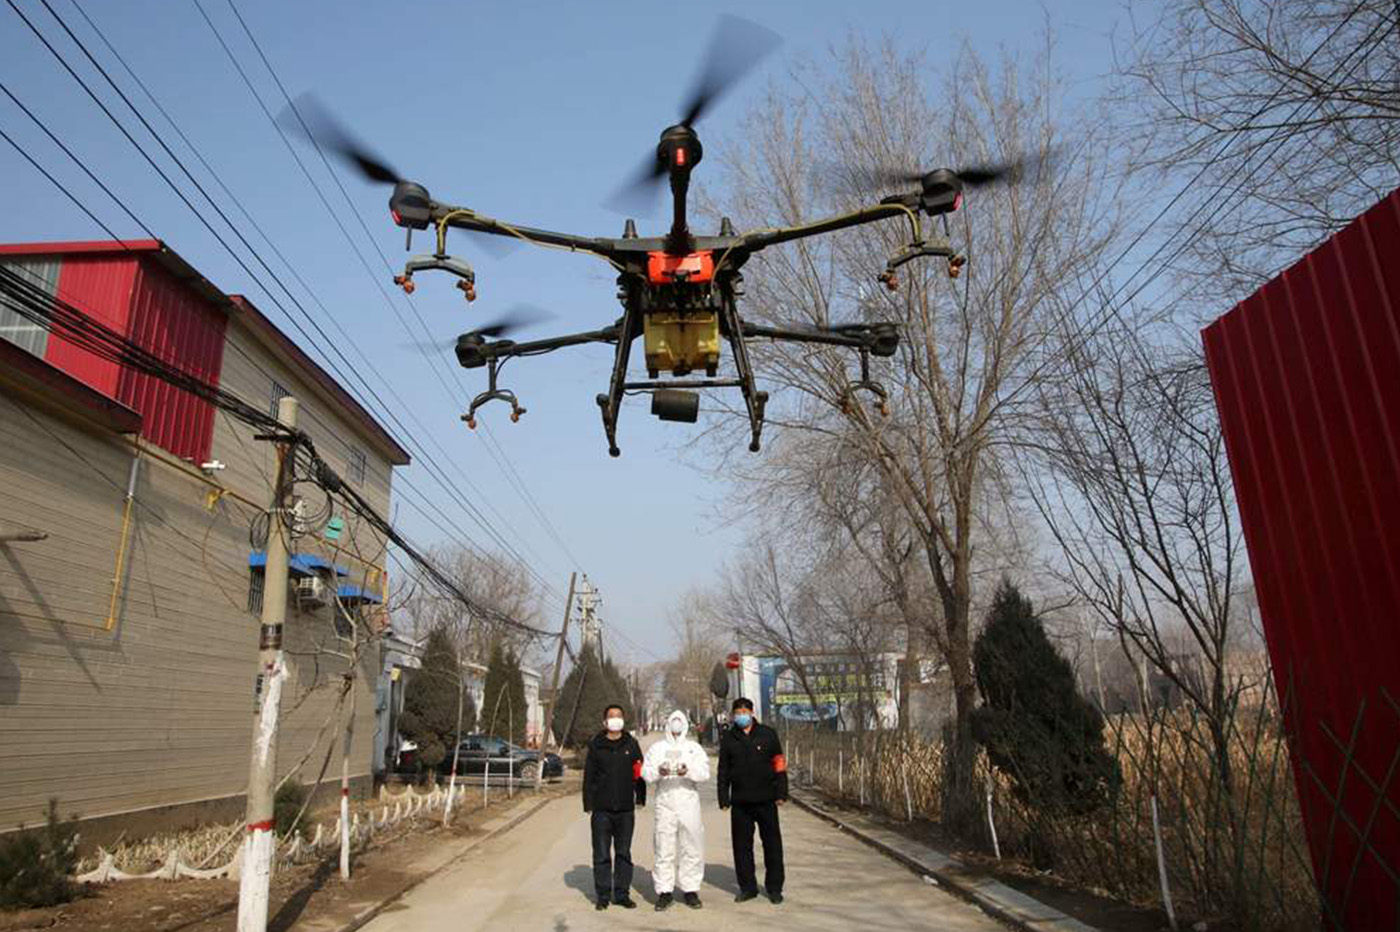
[779, 763]
[636, 770]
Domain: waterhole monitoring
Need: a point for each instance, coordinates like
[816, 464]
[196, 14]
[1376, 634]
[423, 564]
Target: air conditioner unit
[311, 592]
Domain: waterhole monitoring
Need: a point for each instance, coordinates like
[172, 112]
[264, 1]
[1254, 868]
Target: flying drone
[679, 292]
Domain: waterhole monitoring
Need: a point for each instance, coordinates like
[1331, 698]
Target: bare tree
[685, 679]
[764, 599]
[1283, 111]
[1131, 478]
[964, 342]
[490, 580]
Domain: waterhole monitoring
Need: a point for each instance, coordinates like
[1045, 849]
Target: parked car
[504, 758]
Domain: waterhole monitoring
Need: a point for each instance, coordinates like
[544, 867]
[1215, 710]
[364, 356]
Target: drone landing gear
[611, 403]
[444, 262]
[493, 393]
[864, 383]
[755, 400]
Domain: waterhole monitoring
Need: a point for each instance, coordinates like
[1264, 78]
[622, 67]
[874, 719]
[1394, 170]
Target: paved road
[538, 876]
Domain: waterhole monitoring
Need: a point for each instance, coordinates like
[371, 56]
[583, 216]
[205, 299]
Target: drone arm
[466, 219]
[882, 211]
[506, 349]
[832, 338]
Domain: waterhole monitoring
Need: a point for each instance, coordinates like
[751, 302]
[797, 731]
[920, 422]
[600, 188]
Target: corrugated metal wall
[100, 286]
[1307, 380]
[133, 295]
[184, 330]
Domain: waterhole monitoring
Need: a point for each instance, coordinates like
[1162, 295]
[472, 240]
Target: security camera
[212, 467]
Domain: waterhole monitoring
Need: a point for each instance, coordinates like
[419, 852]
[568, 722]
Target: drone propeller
[309, 118]
[516, 317]
[980, 175]
[313, 121]
[736, 47]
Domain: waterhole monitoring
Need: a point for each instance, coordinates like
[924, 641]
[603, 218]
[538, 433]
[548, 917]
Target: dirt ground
[302, 894]
[1092, 909]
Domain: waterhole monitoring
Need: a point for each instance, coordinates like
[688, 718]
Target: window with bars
[14, 326]
[279, 391]
[357, 465]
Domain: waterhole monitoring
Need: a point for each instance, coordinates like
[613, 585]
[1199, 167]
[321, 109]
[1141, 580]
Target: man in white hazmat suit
[675, 764]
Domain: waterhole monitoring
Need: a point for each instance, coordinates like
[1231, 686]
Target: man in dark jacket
[612, 789]
[753, 783]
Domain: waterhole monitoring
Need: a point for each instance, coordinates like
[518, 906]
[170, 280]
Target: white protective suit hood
[675, 716]
[679, 829]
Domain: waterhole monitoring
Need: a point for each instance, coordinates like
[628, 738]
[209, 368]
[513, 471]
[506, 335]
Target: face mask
[677, 728]
[743, 719]
[614, 724]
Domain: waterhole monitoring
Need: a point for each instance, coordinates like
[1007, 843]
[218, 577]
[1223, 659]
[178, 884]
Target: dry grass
[1239, 858]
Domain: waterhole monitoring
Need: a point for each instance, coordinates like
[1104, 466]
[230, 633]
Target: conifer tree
[503, 710]
[1035, 726]
[430, 701]
[591, 685]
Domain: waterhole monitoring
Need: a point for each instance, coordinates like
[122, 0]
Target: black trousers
[742, 819]
[612, 853]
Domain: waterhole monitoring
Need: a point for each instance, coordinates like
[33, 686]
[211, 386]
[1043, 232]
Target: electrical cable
[30, 301]
[428, 460]
[1113, 306]
[523, 491]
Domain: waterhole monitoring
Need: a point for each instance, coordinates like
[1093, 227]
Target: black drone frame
[681, 273]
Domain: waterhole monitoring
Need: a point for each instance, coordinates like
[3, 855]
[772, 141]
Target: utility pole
[554, 685]
[349, 686]
[1094, 652]
[591, 630]
[256, 865]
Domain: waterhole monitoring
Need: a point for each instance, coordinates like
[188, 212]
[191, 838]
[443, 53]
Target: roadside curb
[991, 896]
[366, 915]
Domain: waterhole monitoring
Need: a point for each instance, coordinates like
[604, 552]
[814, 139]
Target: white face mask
[614, 724]
[677, 729]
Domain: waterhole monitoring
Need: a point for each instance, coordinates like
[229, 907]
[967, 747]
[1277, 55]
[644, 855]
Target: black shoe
[626, 902]
[693, 900]
[601, 904]
[746, 895]
[663, 902]
[775, 898]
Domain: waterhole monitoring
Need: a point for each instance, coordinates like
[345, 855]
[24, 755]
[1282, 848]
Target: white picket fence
[406, 806]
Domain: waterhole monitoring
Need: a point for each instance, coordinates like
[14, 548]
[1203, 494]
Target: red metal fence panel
[1307, 381]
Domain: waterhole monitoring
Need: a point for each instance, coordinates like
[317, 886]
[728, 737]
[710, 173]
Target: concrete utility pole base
[255, 880]
[256, 870]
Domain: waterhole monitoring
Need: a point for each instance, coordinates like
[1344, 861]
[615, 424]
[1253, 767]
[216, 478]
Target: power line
[76, 161]
[43, 171]
[498, 454]
[1113, 308]
[28, 299]
[427, 459]
[472, 511]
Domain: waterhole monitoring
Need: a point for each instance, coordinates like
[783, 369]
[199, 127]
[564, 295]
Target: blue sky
[532, 112]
